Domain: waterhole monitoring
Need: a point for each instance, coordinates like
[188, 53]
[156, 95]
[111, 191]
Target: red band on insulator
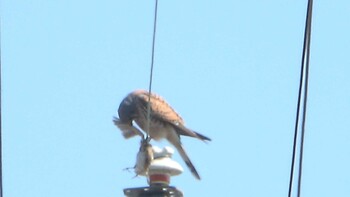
[159, 178]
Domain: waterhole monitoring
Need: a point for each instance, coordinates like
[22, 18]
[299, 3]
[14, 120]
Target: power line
[151, 72]
[304, 81]
[307, 60]
[1, 185]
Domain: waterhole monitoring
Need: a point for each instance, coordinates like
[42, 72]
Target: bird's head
[127, 110]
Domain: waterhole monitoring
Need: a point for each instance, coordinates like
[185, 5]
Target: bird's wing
[160, 109]
[163, 112]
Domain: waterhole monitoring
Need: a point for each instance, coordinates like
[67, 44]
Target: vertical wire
[1, 184]
[305, 63]
[151, 72]
[296, 128]
[307, 60]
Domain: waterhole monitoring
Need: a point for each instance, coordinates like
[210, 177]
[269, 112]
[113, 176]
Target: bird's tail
[187, 160]
[202, 137]
[182, 130]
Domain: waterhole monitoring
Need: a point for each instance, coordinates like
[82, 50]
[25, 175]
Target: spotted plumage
[165, 123]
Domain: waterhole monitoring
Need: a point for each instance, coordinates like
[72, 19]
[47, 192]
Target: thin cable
[296, 128]
[297, 119]
[304, 66]
[151, 72]
[307, 60]
[1, 185]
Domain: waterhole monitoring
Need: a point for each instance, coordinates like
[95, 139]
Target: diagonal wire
[306, 61]
[1, 184]
[304, 67]
[151, 72]
[296, 131]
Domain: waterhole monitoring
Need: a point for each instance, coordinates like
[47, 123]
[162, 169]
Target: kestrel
[165, 123]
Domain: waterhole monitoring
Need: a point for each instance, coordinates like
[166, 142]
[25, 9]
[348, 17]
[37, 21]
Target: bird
[144, 158]
[164, 123]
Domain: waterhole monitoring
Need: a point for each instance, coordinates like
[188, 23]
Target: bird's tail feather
[202, 137]
[182, 130]
[187, 161]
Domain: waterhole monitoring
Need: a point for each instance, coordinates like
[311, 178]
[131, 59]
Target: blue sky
[230, 68]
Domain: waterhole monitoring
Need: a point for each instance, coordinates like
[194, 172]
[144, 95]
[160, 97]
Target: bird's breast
[157, 130]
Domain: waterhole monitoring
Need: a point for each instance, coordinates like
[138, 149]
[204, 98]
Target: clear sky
[230, 68]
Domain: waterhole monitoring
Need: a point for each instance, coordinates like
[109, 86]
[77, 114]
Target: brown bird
[164, 122]
[144, 158]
